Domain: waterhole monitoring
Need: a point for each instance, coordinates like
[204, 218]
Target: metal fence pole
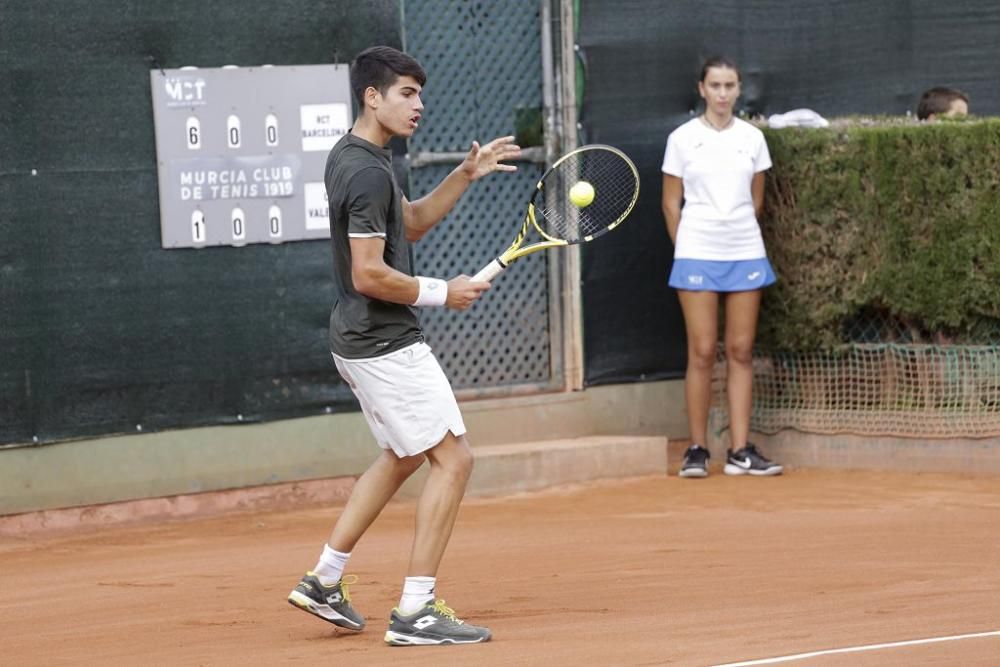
[570, 288]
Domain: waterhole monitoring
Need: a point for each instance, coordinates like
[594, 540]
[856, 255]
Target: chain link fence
[478, 87]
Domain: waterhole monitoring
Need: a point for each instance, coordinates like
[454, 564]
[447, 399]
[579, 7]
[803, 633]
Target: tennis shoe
[695, 462]
[433, 625]
[749, 461]
[331, 603]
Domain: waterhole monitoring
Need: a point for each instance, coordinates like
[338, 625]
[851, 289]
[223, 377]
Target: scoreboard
[241, 151]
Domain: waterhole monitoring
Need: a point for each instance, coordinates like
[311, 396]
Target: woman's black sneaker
[695, 462]
[749, 461]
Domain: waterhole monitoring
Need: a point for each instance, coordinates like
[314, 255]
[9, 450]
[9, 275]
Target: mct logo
[185, 91]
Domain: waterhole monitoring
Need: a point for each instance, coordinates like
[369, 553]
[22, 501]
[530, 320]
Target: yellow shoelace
[447, 611]
[345, 581]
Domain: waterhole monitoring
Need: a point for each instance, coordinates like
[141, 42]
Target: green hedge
[887, 225]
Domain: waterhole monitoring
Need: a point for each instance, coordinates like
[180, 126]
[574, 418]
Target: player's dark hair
[719, 61]
[379, 67]
[938, 100]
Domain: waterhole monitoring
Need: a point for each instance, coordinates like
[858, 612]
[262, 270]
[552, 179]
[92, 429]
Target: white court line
[855, 649]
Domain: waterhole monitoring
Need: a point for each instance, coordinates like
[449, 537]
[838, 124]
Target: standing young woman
[715, 165]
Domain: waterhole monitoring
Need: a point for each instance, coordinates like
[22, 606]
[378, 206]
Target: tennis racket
[584, 195]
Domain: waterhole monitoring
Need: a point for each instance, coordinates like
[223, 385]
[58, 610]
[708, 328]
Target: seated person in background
[942, 102]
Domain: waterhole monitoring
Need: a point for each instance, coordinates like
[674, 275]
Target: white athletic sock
[330, 567]
[417, 592]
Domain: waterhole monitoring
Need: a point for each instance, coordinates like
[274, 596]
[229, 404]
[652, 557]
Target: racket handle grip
[490, 271]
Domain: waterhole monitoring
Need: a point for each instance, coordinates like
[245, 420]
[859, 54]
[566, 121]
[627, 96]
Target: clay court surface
[650, 571]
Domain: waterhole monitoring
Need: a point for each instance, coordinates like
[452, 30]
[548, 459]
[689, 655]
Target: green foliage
[893, 221]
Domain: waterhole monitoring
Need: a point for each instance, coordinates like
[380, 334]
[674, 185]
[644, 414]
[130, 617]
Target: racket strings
[615, 189]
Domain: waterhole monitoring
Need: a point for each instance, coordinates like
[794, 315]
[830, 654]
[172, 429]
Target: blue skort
[700, 275]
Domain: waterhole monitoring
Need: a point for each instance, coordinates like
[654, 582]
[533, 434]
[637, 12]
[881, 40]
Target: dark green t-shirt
[365, 202]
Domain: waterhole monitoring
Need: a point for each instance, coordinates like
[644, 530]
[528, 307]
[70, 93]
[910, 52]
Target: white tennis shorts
[405, 397]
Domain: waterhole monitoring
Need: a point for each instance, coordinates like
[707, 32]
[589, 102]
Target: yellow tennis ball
[581, 194]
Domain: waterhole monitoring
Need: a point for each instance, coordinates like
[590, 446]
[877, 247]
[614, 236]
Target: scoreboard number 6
[193, 133]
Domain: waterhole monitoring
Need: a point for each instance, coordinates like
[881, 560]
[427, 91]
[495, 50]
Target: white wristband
[433, 292]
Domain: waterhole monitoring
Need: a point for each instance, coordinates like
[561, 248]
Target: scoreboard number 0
[239, 224]
[274, 222]
[271, 130]
[233, 131]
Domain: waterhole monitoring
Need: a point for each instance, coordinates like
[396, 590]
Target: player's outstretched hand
[488, 158]
[463, 292]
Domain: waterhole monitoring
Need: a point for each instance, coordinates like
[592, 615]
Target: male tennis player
[379, 349]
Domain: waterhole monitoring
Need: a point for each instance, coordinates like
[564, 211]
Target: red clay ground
[651, 571]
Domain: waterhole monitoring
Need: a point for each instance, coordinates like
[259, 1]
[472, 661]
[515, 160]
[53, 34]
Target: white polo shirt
[717, 168]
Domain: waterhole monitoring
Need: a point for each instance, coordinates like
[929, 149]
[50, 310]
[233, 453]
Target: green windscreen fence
[101, 330]
[926, 371]
[641, 61]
